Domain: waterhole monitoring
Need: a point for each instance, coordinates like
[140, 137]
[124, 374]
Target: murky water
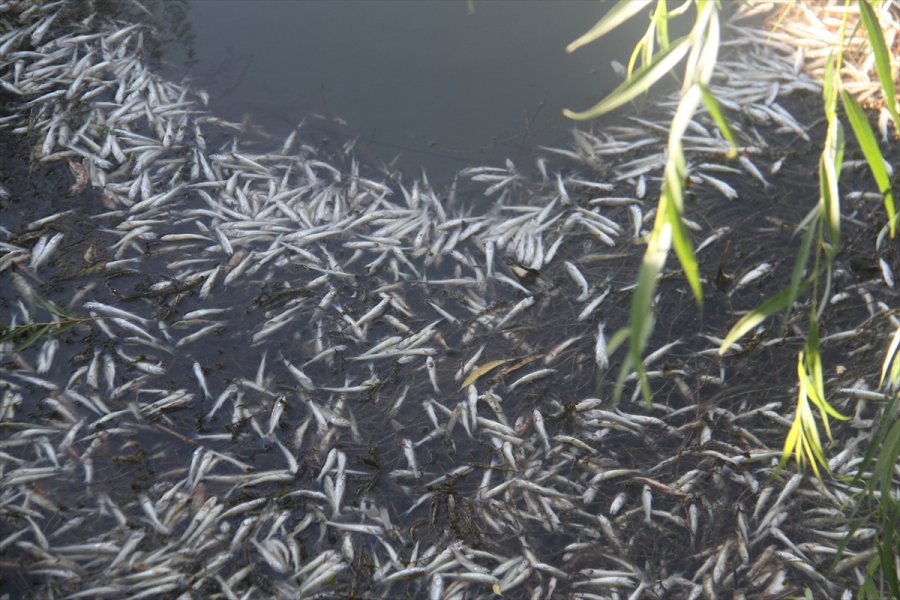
[429, 83]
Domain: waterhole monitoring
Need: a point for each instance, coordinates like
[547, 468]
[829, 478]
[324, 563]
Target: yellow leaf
[482, 370]
[496, 588]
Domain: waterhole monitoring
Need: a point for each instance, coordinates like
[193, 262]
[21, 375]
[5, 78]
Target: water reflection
[426, 82]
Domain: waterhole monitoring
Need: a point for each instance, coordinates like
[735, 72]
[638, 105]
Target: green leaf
[886, 551]
[776, 303]
[712, 105]
[829, 89]
[642, 80]
[877, 439]
[661, 20]
[829, 174]
[684, 250]
[706, 30]
[54, 309]
[866, 138]
[800, 265]
[817, 380]
[884, 468]
[882, 58]
[618, 14]
[889, 358]
[635, 54]
[617, 339]
[37, 332]
[641, 321]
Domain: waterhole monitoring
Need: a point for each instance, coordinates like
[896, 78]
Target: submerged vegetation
[25, 334]
[656, 56]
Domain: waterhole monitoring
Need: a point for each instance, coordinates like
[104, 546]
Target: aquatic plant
[657, 56]
[26, 334]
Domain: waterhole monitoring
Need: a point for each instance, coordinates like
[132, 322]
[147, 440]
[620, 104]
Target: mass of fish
[293, 375]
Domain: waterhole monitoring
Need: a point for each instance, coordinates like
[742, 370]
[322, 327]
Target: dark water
[431, 82]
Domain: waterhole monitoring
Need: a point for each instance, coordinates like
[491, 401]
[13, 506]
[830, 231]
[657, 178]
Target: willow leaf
[684, 249]
[866, 138]
[642, 80]
[35, 333]
[635, 54]
[618, 14]
[640, 322]
[829, 89]
[884, 469]
[882, 58]
[829, 174]
[619, 337]
[800, 265]
[889, 357]
[886, 548]
[661, 19]
[481, 371]
[791, 442]
[53, 309]
[775, 304]
[712, 105]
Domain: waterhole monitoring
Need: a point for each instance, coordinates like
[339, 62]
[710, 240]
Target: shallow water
[429, 82]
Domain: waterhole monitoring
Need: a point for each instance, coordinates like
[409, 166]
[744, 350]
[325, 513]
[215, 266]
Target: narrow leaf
[829, 174]
[481, 371]
[642, 80]
[799, 267]
[882, 58]
[641, 320]
[36, 334]
[776, 303]
[712, 105]
[866, 138]
[618, 14]
[661, 19]
[888, 357]
[618, 338]
[684, 250]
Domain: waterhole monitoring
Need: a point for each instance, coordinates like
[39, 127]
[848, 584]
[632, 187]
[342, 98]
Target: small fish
[726, 190]
[752, 275]
[640, 189]
[540, 427]
[201, 379]
[600, 355]
[44, 249]
[580, 280]
[755, 172]
[647, 503]
[886, 272]
[588, 310]
[432, 374]
[533, 376]
[520, 306]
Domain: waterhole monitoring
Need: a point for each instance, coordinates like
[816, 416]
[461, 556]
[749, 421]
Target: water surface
[431, 82]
